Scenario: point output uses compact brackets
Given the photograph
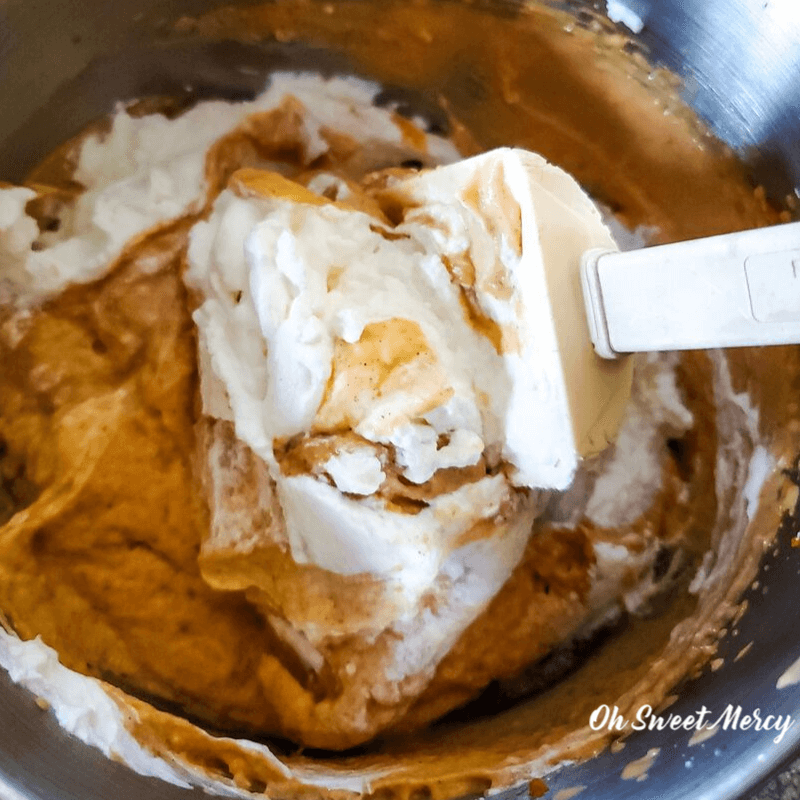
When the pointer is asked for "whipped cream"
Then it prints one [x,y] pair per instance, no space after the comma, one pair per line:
[81,706]
[431,340]
[631,475]
[314,277]
[18,232]
[149,170]
[334,518]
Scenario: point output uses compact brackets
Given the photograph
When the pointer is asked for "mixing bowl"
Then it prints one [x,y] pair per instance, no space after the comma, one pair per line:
[65,63]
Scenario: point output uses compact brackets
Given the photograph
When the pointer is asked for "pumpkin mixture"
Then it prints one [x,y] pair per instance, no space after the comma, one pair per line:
[138,532]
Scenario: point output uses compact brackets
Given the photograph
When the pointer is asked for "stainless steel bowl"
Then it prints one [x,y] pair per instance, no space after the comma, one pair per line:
[64,63]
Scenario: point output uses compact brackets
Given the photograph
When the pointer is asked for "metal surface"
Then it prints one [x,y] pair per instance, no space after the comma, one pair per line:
[741,63]
[732,763]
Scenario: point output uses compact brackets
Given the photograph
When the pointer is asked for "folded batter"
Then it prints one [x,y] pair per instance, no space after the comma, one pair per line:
[163,542]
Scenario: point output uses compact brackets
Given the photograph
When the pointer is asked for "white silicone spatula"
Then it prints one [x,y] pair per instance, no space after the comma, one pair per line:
[739,289]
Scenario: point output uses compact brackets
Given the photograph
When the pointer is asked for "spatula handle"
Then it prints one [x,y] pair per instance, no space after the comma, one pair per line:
[739,289]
